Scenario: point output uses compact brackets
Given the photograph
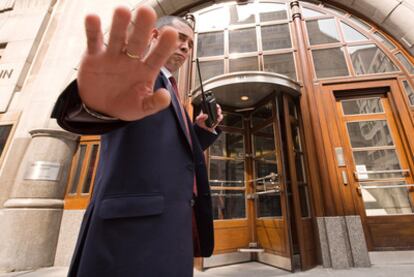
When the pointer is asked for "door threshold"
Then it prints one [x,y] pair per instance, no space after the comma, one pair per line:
[392,257]
[251,250]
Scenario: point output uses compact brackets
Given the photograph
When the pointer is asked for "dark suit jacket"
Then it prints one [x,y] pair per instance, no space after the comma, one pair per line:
[139,220]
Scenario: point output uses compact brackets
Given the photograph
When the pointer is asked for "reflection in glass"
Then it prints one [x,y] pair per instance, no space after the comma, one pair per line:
[264,144]
[229,145]
[330,62]
[281,64]
[362,106]
[91,166]
[360,23]
[228,204]
[369,133]
[241,14]
[232,120]
[221,19]
[209,69]
[405,62]
[369,58]
[262,114]
[269,205]
[226,170]
[265,166]
[244,64]
[377,160]
[242,40]
[4,135]
[276,37]
[322,31]
[351,34]
[272,11]
[210,44]
[410,92]
[386,201]
[306,12]
[76,176]
[384,40]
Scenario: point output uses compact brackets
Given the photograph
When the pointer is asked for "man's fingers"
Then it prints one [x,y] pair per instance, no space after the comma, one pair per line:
[156,102]
[94,36]
[141,32]
[118,33]
[165,47]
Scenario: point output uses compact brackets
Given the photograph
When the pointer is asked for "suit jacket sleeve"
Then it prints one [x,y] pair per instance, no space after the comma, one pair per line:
[71,116]
[206,138]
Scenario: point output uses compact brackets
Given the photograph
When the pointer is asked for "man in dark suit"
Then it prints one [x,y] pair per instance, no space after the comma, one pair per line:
[150,211]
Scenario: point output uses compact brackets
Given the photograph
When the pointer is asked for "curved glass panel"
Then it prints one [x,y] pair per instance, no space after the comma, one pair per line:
[221,19]
[410,92]
[405,62]
[369,58]
[241,14]
[210,44]
[350,34]
[360,23]
[272,11]
[276,37]
[209,69]
[226,170]
[244,64]
[228,204]
[230,145]
[330,62]
[281,63]
[306,12]
[384,40]
[322,31]
[242,40]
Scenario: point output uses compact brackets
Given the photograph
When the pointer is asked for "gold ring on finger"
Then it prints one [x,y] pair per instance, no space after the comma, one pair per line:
[132,56]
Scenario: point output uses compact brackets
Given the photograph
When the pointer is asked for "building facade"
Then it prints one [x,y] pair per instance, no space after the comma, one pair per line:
[315,163]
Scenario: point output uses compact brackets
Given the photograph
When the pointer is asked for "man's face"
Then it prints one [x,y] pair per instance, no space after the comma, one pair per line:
[180,55]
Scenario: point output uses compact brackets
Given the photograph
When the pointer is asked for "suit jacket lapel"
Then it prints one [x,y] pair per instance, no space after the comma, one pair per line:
[177,110]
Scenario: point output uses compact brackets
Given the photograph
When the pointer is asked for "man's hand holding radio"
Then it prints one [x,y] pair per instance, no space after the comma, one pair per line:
[202,117]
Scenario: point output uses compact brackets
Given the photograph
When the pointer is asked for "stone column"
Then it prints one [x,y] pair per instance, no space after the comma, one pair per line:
[31,216]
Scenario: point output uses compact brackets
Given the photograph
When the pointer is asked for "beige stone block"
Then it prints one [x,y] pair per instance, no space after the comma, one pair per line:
[399,22]
[68,234]
[16,51]
[10,73]
[20,248]
[171,6]
[6,93]
[376,10]
[21,27]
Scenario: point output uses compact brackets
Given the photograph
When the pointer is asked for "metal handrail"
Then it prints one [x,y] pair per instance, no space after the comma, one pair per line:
[267,191]
[272,176]
[382,171]
[386,186]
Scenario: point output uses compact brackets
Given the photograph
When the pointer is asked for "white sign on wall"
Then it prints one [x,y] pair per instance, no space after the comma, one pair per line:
[40,170]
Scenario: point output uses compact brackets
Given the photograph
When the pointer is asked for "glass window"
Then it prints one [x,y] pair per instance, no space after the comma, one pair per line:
[221,19]
[276,37]
[232,120]
[351,34]
[322,31]
[306,12]
[330,62]
[360,23]
[334,9]
[4,135]
[226,170]
[272,11]
[409,91]
[282,64]
[369,58]
[228,204]
[362,106]
[269,205]
[229,145]
[79,164]
[209,69]
[210,44]
[386,198]
[243,40]
[90,169]
[384,40]
[264,144]
[262,114]
[371,133]
[405,62]
[241,14]
[244,64]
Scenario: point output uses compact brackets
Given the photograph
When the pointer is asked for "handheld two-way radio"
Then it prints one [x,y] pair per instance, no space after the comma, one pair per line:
[208,102]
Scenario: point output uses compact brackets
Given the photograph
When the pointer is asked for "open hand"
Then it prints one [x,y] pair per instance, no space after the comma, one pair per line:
[118,80]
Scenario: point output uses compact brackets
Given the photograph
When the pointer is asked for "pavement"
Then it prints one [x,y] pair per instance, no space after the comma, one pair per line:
[253,269]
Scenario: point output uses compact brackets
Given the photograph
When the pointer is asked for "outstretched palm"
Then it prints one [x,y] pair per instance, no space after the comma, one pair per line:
[113,83]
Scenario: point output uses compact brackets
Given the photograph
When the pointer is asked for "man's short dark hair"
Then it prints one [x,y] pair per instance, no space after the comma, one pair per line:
[168,20]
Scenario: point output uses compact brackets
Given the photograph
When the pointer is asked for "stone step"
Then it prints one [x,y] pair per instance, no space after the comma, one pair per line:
[391,257]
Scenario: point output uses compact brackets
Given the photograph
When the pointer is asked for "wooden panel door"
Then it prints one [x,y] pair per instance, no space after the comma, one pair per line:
[381,172]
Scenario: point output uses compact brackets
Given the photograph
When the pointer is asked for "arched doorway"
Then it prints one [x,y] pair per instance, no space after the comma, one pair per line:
[257,173]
